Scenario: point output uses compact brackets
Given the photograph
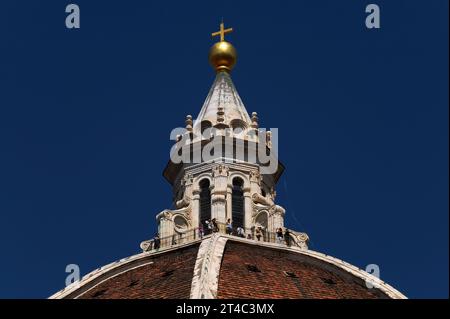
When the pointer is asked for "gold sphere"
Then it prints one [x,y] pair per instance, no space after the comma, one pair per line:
[222,56]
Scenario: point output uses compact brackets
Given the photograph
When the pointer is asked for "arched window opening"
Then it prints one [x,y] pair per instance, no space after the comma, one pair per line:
[238,203]
[205,201]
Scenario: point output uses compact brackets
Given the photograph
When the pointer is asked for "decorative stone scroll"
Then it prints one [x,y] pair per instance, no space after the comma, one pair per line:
[146,245]
[205,282]
[300,239]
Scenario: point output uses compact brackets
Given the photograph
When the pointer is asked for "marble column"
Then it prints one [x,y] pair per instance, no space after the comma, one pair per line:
[229,208]
[248,209]
[195,212]
[219,193]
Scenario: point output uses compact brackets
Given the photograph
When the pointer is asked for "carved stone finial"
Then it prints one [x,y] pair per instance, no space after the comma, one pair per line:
[269,139]
[255,120]
[189,123]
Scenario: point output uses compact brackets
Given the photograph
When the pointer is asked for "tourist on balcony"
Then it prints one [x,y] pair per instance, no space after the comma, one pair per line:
[258,233]
[215,228]
[229,227]
[209,226]
[201,231]
[156,242]
[240,232]
[287,237]
[279,235]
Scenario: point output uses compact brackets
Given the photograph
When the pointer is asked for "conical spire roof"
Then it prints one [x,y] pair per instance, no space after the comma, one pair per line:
[223,104]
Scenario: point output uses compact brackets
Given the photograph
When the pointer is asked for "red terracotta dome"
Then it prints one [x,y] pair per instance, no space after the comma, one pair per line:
[227,267]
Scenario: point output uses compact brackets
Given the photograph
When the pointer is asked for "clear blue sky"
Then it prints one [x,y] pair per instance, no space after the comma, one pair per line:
[85,117]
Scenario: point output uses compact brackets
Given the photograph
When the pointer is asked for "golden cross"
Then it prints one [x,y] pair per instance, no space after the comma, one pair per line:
[222,32]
